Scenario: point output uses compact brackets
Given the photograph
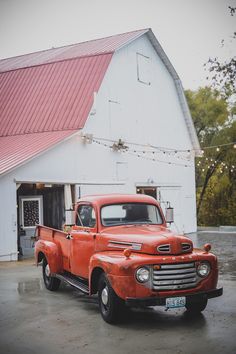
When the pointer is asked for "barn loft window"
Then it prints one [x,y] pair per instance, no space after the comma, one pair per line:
[143,68]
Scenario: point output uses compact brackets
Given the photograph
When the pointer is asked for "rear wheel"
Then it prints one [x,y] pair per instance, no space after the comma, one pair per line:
[50,282]
[197,307]
[111,306]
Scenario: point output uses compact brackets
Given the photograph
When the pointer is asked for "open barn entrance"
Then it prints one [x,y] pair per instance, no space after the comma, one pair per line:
[38,203]
[152,191]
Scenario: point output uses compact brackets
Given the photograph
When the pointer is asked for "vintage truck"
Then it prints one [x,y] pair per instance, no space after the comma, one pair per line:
[121,249]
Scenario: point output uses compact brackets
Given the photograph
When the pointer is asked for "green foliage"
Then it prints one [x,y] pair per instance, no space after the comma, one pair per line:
[209,112]
[215,177]
[219,203]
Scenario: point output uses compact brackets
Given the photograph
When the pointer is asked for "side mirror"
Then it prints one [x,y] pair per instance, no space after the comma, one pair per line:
[169,215]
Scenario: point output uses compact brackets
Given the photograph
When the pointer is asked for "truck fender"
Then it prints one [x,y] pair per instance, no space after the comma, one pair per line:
[108,264]
[51,252]
[99,263]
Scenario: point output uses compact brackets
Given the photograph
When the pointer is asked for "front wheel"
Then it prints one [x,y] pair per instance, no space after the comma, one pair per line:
[197,307]
[50,282]
[110,304]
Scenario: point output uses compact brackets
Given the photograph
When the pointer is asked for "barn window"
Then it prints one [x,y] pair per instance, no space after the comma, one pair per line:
[143,68]
[31,211]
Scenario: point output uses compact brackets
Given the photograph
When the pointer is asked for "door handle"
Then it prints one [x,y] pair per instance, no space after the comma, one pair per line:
[69,237]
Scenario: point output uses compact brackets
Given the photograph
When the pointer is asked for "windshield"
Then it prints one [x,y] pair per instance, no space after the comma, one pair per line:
[130,213]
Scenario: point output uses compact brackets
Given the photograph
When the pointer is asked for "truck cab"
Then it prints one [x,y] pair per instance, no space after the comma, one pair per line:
[120,248]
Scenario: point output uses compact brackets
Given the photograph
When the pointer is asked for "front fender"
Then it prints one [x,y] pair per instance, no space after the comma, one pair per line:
[114,263]
[52,252]
[118,269]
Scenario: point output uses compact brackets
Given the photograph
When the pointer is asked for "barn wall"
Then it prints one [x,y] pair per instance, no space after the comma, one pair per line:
[125,104]
[8,219]
[148,114]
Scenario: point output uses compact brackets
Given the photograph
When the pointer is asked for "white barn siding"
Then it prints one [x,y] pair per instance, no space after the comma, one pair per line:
[8,219]
[139,105]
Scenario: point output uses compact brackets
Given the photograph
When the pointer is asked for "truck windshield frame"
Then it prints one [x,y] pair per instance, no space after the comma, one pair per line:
[131,213]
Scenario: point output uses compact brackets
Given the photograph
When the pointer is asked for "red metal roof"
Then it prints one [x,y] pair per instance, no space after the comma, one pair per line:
[56,96]
[46,96]
[16,150]
[94,47]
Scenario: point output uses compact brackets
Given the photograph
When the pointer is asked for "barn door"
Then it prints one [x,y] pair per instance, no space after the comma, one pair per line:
[172,196]
[30,214]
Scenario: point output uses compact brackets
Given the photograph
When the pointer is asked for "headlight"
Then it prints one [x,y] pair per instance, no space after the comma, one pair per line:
[142,275]
[203,269]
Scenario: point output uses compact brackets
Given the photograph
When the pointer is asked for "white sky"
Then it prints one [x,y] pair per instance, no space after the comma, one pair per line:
[190,31]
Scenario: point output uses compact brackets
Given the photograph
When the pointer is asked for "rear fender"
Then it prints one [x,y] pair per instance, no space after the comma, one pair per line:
[52,252]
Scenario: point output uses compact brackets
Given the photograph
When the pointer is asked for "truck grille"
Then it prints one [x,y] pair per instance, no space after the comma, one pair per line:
[175,276]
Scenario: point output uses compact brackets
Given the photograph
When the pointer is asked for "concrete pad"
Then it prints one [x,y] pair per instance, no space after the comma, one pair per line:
[34,320]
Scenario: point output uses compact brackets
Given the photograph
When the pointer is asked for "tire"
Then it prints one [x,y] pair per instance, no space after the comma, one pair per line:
[110,305]
[51,283]
[197,307]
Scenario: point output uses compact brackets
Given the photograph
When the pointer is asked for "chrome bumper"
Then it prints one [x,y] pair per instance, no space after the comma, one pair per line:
[161,301]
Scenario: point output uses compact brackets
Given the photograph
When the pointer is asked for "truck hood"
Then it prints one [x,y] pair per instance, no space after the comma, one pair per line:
[150,239]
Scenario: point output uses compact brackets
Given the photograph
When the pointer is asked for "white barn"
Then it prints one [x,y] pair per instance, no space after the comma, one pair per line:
[104,116]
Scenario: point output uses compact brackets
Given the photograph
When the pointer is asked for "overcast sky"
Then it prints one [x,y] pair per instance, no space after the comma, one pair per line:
[190,31]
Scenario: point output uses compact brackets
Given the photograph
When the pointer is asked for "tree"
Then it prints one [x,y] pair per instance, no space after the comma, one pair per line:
[213,120]
[223,74]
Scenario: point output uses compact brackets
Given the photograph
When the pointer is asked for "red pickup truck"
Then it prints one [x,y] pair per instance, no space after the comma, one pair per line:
[121,249]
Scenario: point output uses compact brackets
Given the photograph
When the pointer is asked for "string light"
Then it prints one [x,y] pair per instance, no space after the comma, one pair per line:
[137,154]
[154,153]
[206,163]
[172,150]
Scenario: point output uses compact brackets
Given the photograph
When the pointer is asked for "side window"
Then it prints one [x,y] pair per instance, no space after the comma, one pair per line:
[143,69]
[86,216]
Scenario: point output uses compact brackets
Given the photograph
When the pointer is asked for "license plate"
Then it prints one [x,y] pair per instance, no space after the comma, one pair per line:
[175,301]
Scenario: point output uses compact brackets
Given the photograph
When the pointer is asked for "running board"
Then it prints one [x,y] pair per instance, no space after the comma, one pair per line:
[76,283]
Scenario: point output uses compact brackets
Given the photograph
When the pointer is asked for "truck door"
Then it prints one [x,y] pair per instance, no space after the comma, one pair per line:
[83,241]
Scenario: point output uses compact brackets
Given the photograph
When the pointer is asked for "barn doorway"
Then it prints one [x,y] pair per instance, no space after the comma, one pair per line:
[38,203]
[167,196]
[152,191]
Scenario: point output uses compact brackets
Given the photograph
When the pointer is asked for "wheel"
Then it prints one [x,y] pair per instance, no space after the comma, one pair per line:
[111,306]
[197,307]
[50,282]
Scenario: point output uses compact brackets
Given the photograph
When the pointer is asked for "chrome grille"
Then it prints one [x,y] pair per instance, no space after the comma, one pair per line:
[186,247]
[164,248]
[175,276]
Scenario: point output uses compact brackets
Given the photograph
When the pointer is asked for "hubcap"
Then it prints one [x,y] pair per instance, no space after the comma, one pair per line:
[47,270]
[105,296]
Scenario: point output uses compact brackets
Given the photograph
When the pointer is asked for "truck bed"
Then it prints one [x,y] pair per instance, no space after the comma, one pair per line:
[49,234]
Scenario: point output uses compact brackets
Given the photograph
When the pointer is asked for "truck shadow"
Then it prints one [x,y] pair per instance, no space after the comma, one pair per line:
[148,318]
[140,318]
[158,318]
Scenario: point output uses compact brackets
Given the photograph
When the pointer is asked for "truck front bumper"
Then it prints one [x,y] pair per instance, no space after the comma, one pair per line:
[161,301]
